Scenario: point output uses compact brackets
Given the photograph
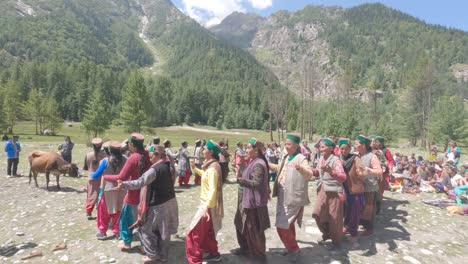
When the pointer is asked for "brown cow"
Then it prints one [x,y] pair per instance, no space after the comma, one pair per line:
[49,162]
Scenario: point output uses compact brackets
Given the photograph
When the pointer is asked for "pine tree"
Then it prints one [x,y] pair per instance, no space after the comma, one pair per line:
[12,105]
[36,109]
[53,120]
[449,121]
[135,101]
[2,118]
[97,116]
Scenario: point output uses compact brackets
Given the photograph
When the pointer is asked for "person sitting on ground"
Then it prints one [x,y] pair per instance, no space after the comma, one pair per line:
[461,193]
[445,184]
[397,157]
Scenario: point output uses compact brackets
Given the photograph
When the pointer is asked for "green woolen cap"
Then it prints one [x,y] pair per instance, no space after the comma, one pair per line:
[213,146]
[363,139]
[344,141]
[379,138]
[252,141]
[294,138]
[328,142]
[372,136]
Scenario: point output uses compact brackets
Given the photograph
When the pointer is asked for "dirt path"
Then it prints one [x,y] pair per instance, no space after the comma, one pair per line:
[33,219]
[206,130]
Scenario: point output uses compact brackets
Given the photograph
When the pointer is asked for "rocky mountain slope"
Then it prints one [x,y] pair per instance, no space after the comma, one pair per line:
[368,43]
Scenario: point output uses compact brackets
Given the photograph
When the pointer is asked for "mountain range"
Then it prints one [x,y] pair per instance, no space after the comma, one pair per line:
[226,75]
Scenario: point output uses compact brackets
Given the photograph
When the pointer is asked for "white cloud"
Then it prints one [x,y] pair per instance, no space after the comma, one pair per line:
[260,4]
[212,12]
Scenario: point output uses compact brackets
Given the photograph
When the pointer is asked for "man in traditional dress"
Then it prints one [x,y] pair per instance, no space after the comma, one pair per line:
[158,212]
[328,212]
[201,236]
[252,218]
[136,165]
[373,170]
[291,188]
[91,163]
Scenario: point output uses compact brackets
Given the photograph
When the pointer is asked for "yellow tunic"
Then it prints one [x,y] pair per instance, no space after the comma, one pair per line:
[209,182]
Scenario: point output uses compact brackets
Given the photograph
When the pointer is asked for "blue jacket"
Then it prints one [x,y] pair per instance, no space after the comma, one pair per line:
[10,149]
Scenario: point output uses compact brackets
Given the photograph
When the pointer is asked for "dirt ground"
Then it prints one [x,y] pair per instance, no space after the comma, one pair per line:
[34,219]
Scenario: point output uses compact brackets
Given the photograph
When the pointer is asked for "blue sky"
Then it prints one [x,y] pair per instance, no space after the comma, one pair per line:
[450,13]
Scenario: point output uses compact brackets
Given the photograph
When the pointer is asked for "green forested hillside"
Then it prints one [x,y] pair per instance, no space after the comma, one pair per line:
[383,71]
[378,43]
[67,49]
[367,69]
[212,82]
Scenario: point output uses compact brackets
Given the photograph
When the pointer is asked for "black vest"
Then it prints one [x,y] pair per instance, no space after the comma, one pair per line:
[161,189]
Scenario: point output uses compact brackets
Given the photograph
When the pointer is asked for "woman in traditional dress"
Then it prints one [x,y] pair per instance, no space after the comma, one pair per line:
[111,200]
[91,164]
[252,218]
[158,216]
[136,165]
[201,236]
[373,171]
[328,212]
[354,189]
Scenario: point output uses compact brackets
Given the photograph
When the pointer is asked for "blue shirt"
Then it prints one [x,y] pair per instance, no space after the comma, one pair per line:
[10,149]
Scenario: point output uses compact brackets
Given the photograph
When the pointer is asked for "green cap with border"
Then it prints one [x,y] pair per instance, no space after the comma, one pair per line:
[328,142]
[344,141]
[363,139]
[213,146]
[294,138]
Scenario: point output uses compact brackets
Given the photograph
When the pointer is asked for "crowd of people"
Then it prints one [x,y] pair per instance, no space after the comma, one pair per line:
[132,187]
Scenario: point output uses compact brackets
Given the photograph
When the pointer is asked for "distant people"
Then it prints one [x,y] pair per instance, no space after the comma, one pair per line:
[272,155]
[66,149]
[12,149]
[453,153]
[5,137]
[183,165]
[240,157]
[224,160]
[91,164]
[198,155]
[156,141]
[171,156]
[434,149]
[305,150]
